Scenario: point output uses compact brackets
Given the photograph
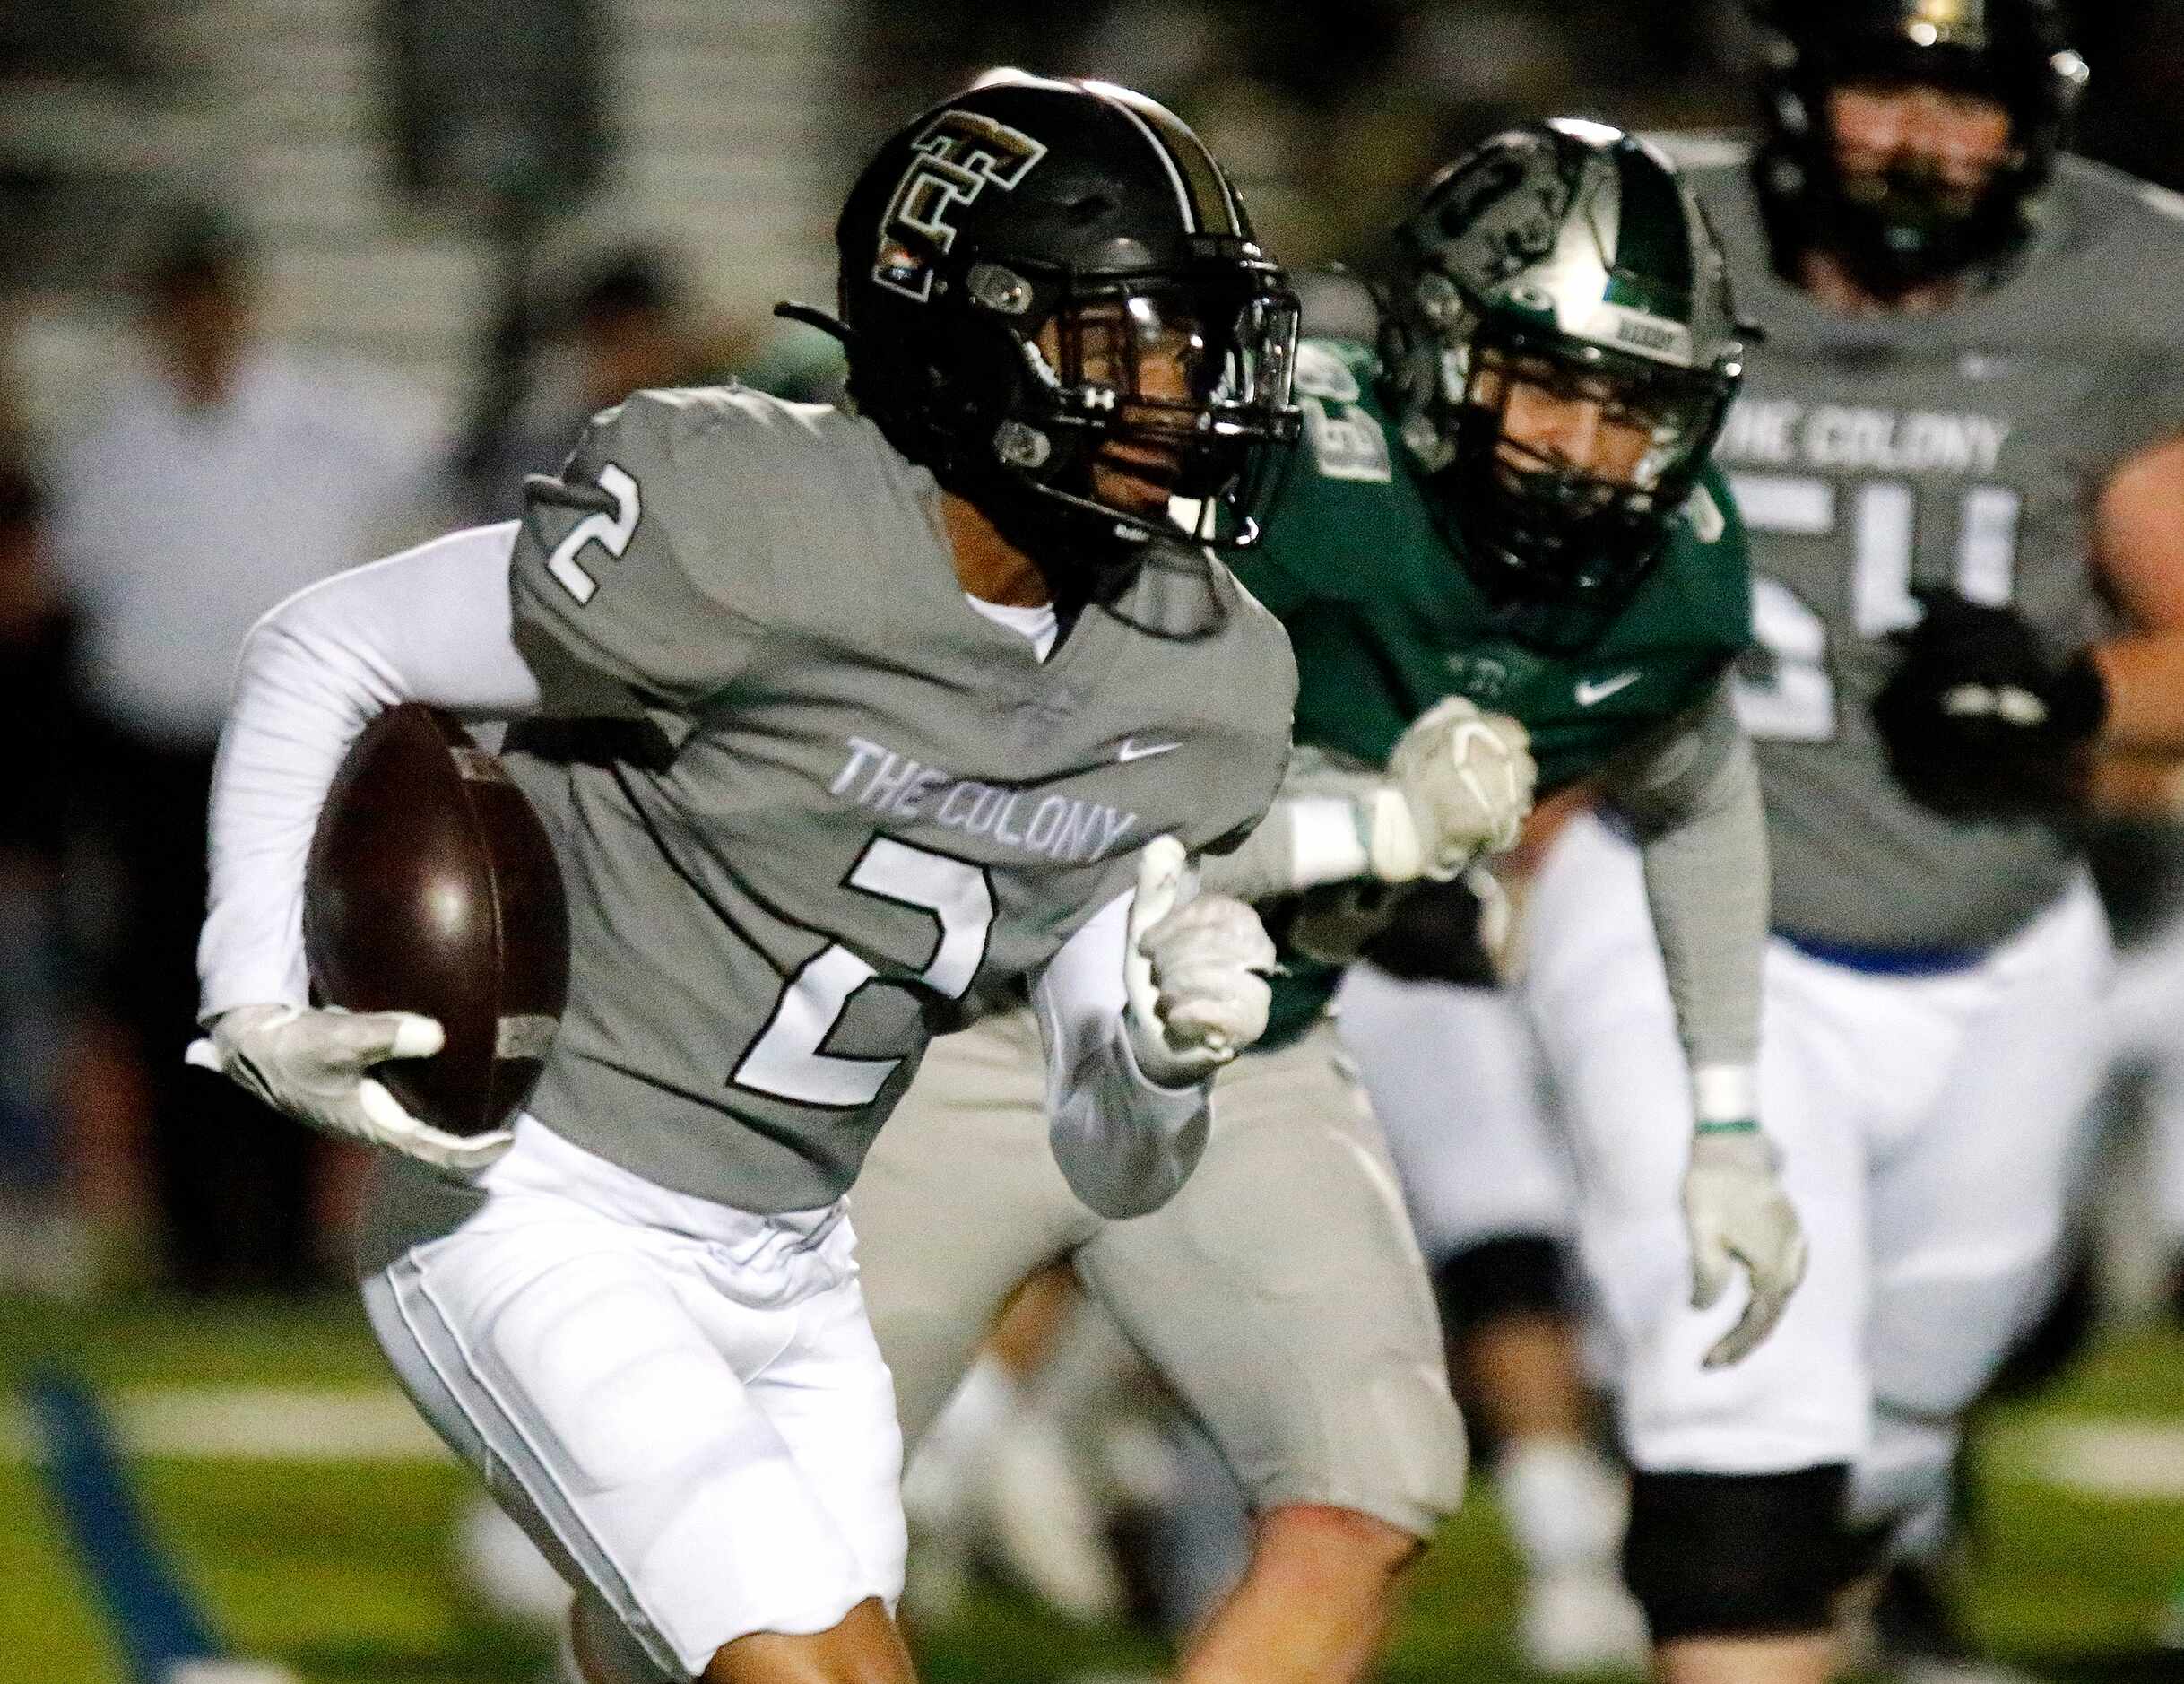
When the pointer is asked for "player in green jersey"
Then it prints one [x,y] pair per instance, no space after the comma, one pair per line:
[1510,514]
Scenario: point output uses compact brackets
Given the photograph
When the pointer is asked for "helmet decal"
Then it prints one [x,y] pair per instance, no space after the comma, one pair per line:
[952,161]
[1933,22]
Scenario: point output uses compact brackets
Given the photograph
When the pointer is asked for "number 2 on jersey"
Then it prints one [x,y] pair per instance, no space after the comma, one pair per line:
[1796,701]
[786,1060]
[611,533]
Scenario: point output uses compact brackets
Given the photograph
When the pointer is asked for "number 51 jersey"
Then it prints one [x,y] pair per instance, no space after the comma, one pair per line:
[864,806]
[1871,455]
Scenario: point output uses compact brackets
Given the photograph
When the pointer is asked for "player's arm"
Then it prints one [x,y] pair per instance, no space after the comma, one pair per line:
[1137,1010]
[1981,720]
[430,625]
[2138,551]
[1694,799]
[1459,784]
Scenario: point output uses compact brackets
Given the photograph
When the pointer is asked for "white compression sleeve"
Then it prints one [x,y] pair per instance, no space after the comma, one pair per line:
[1319,831]
[1124,1143]
[430,625]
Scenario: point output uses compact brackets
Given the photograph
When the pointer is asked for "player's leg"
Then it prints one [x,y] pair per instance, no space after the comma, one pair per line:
[1965,1258]
[957,1202]
[863,1648]
[2147,1004]
[1282,1296]
[828,1396]
[1488,1185]
[2166,1102]
[593,1360]
[1738,1471]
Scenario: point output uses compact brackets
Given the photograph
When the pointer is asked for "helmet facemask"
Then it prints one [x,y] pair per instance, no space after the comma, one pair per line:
[1149,402]
[1913,213]
[1909,214]
[1573,457]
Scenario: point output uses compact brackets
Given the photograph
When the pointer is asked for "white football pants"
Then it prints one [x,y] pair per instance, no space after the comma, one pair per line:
[1929,1125]
[1457,1081]
[2147,1020]
[681,1402]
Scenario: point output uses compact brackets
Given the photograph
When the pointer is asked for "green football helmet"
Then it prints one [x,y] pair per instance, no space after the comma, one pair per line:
[1562,270]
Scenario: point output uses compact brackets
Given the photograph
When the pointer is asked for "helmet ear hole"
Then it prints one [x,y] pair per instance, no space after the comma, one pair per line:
[1003,291]
[1019,445]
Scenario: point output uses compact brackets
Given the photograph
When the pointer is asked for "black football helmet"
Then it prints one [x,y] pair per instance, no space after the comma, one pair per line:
[1908,230]
[1038,276]
[1565,258]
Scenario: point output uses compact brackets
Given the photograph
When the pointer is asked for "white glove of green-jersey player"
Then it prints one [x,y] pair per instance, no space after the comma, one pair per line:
[1195,968]
[1735,1211]
[311,1066]
[1466,778]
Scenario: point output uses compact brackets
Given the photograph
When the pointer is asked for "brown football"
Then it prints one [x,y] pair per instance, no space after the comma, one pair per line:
[433,887]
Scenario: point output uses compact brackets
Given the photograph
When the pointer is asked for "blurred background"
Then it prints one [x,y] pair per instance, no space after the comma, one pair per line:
[287,284]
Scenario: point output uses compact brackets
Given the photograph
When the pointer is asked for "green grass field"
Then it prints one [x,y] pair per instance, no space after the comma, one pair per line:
[340,1567]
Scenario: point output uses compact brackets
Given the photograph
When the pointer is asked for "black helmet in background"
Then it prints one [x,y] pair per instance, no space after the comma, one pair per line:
[1908,228]
[1039,274]
[1561,263]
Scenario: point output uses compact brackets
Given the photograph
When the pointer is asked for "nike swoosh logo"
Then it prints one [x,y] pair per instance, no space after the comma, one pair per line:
[1132,751]
[1592,690]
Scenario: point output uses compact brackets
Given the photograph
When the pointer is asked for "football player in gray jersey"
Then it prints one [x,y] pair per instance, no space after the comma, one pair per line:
[1282,1295]
[1958,457]
[884,714]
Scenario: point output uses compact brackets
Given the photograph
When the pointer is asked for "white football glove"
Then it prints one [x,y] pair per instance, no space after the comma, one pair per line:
[311,1065]
[1467,779]
[1195,968]
[1735,1211]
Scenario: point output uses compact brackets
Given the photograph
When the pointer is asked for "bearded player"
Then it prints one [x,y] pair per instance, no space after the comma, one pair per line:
[1959,463]
[879,712]
[1513,513]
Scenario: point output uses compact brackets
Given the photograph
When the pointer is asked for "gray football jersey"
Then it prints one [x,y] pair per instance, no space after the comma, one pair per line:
[817,805]
[1872,454]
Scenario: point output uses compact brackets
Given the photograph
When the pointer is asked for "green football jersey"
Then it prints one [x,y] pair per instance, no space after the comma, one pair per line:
[1385,619]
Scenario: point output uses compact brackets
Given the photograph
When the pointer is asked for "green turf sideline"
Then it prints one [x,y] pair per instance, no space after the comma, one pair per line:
[2125,1460]
[249,1424]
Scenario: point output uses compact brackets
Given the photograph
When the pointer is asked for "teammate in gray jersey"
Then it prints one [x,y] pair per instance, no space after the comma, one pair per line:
[821,807]
[1957,456]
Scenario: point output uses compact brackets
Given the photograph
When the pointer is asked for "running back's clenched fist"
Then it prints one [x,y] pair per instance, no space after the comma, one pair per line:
[1196,966]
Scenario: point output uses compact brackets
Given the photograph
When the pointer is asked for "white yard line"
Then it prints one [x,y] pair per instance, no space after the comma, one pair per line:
[251,1424]
[2121,1461]
[2117,1460]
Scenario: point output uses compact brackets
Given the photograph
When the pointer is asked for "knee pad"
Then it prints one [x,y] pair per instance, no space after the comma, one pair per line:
[1512,1274]
[1736,1555]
